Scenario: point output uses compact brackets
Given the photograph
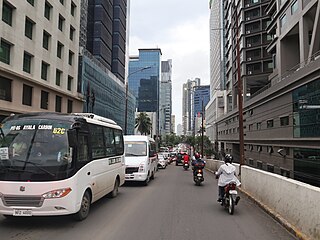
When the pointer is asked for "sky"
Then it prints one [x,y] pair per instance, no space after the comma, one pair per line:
[180,28]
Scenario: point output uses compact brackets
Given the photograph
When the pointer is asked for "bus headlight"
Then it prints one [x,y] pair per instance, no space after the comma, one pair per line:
[141,167]
[58,193]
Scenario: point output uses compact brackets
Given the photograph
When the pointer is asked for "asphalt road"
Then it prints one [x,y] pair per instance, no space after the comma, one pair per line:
[170,208]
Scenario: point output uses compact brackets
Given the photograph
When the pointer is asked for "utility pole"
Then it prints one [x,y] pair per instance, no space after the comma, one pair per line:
[202,115]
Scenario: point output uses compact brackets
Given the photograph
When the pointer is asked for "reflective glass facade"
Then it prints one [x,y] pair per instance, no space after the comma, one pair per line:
[306,110]
[144,83]
[105,94]
[200,92]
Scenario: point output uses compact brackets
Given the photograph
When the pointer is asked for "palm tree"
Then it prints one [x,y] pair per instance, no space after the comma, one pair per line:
[143,123]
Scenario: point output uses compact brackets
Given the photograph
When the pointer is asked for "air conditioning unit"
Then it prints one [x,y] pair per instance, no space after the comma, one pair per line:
[248,31]
[249,59]
[249,72]
[249,45]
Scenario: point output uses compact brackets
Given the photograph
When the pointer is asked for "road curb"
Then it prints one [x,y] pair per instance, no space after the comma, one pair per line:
[293,230]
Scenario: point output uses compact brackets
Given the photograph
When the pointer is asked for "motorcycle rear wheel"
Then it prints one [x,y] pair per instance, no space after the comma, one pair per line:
[231,206]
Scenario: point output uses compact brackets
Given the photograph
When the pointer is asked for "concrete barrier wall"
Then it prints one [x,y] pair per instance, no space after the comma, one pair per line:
[295,203]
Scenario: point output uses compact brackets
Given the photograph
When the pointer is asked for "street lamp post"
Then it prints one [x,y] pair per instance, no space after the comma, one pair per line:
[202,127]
[126,104]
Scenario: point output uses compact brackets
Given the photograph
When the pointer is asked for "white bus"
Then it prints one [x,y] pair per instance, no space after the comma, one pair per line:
[58,164]
[140,158]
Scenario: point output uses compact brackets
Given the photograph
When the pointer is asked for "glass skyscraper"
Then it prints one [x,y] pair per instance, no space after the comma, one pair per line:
[144,80]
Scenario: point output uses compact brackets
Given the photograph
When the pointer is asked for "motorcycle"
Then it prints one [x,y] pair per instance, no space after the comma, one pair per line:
[230,198]
[186,166]
[198,176]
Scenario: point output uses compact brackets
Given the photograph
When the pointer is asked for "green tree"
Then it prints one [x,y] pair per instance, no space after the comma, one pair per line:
[143,123]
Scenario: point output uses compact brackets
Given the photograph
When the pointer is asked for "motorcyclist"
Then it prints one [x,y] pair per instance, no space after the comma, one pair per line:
[226,174]
[186,158]
[197,163]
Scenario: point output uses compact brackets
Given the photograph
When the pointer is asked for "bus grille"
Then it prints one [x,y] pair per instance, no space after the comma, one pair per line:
[130,170]
[22,201]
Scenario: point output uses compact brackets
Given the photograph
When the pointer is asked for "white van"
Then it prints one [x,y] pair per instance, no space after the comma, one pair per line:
[141,159]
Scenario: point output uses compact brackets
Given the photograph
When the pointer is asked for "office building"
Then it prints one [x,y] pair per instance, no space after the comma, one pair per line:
[39,57]
[102,61]
[144,81]
[165,110]
[281,127]
[187,106]
[201,97]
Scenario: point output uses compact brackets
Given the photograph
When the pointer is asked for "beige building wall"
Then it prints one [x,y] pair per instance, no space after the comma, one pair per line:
[15,36]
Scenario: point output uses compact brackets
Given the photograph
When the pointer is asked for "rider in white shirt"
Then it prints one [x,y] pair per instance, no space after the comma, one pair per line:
[226,174]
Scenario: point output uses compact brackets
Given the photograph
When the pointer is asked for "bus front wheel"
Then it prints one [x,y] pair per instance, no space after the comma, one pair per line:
[84,208]
[115,190]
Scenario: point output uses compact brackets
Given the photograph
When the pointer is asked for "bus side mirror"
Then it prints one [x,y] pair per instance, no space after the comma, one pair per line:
[72,137]
[151,153]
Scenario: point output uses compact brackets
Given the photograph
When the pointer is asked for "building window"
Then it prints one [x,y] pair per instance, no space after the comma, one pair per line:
[44,100]
[60,23]
[27,58]
[284,121]
[46,40]
[58,103]
[73,8]
[31,2]
[71,54]
[259,148]
[58,77]
[72,31]
[59,49]
[5,52]
[70,82]
[69,107]
[27,95]
[270,149]
[62,2]
[285,172]
[270,123]
[259,164]
[28,28]
[294,7]
[44,70]
[270,168]
[283,20]
[7,13]
[250,161]
[5,89]
[259,126]
[47,10]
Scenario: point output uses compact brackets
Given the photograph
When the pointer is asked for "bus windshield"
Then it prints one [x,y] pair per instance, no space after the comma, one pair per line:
[34,150]
[135,148]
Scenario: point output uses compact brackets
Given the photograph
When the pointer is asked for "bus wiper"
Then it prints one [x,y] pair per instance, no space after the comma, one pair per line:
[14,170]
[132,154]
[36,165]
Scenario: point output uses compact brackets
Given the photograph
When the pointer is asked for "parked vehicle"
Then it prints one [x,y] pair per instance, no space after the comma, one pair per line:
[230,198]
[141,159]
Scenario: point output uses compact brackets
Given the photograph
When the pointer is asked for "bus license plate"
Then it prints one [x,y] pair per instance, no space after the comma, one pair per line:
[22,212]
